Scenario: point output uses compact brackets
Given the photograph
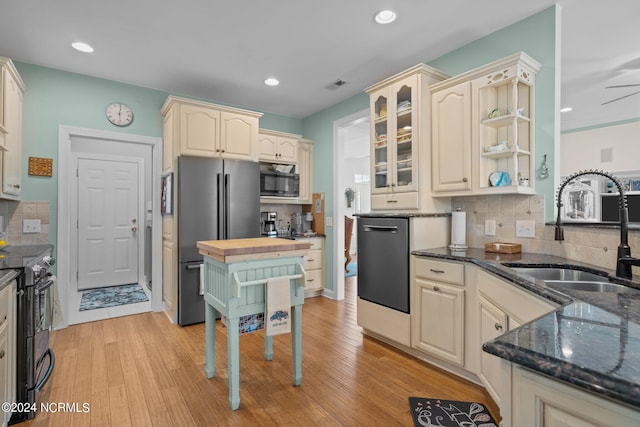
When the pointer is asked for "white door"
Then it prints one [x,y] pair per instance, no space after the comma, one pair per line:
[108,223]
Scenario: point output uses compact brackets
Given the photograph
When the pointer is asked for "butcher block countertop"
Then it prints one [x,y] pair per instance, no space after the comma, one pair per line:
[235,250]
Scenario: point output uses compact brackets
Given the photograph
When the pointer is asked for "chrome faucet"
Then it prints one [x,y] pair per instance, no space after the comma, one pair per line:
[624,260]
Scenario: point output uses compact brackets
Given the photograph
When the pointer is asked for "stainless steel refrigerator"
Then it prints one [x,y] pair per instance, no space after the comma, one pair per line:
[217,199]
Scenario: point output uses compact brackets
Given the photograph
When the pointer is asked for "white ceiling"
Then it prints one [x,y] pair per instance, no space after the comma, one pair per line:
[223,51]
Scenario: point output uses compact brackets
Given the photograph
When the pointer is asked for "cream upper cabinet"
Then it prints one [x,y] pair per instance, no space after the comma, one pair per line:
[438,307]
[305,169]
[209,130]
[451,138]
[401,140]
[277,147]
[11,129]
[494,106]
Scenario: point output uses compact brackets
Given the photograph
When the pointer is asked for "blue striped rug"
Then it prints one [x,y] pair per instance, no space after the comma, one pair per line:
[112,296]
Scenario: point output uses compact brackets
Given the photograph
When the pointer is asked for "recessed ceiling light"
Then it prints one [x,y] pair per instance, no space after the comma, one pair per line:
[82,47]
[271,82]
[385,17]
[566,109]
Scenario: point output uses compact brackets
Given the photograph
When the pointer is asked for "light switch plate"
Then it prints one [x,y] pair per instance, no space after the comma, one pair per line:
[526,229]
[30,226]
[489,227]
[329,221]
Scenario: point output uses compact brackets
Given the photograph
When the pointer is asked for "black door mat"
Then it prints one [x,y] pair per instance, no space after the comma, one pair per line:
[427,412]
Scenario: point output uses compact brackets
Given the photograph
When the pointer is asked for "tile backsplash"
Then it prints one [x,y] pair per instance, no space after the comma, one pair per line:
[15,212]
[595,246]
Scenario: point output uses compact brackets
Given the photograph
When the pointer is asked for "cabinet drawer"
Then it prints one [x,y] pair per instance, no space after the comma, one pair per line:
[441,271]
[5,303]
[316,243]
[314,280]
[313,260]
[409,200]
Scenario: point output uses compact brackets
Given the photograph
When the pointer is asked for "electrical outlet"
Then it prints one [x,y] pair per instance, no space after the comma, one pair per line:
[489,227]
[526,229]
[31,226]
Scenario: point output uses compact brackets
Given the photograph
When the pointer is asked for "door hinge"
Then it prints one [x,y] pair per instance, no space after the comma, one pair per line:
[77,173]
[77,276]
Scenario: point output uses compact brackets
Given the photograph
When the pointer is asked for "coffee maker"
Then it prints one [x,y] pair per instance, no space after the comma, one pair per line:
[268,221]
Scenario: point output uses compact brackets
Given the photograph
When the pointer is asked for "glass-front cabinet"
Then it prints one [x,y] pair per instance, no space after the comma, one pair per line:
[392,138]
[401,140]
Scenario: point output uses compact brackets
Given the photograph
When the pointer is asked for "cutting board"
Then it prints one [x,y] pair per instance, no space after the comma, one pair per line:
[246,248]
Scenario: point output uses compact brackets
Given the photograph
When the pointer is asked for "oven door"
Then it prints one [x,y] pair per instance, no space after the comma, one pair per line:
[43,355]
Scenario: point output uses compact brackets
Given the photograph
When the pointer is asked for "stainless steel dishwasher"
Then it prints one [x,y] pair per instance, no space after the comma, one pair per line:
[383,261]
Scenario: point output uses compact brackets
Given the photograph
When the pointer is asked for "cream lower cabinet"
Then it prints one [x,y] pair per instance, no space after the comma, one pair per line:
[438,309]
[170,279]
[7,349]
[539,401]
[314,266]
[500,307]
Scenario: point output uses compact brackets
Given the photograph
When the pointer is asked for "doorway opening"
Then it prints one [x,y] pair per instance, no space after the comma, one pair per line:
[109,232]
[351,188]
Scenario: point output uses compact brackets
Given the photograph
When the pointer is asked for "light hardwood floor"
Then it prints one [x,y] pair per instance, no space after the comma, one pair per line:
[142,370]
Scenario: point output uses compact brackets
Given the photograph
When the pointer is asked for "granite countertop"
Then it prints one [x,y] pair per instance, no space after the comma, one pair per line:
[591,341]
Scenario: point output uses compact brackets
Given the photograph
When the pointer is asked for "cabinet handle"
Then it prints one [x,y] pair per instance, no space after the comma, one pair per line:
[392,201]
[436,288]
[498,326]
[437,271]
[464,179]
[310,280]
[1,354]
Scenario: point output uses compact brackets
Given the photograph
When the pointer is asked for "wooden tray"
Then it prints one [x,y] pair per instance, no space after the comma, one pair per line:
[503,248]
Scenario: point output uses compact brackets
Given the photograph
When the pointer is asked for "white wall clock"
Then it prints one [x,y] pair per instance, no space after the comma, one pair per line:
[119,114]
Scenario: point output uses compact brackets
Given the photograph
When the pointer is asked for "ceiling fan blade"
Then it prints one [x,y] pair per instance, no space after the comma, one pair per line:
[622,97]
[612,87]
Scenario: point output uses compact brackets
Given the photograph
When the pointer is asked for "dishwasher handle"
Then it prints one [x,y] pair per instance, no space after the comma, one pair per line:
[382,228]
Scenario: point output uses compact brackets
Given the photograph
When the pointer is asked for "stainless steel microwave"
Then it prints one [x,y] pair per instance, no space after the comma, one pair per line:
[279,184]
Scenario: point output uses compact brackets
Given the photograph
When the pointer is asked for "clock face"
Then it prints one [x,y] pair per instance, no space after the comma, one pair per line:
[119,114]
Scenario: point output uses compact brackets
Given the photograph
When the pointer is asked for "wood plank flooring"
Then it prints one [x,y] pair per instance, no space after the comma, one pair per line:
[141,370]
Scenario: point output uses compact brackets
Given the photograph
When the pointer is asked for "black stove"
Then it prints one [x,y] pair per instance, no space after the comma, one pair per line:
[34,315]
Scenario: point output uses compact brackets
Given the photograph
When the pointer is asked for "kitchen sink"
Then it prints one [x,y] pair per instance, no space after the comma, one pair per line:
[585,286]
[577,280]
[559,274]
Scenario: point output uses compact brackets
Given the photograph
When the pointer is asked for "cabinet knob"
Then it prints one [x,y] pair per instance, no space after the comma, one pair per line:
[436,288]
[464,179]
[217,150]
[498,326]
[1,354]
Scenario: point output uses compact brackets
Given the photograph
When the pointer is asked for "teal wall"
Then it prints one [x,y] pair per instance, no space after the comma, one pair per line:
[55,97]
[534,35]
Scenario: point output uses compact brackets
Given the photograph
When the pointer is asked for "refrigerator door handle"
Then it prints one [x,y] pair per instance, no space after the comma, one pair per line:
[220,204]
[227,204]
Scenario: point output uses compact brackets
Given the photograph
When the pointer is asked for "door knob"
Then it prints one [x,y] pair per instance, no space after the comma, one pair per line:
[134,229]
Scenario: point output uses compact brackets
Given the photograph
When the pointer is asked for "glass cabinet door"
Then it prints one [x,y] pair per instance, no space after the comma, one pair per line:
[380,144]
[403,154]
